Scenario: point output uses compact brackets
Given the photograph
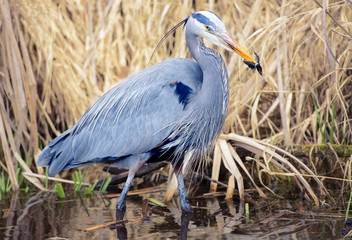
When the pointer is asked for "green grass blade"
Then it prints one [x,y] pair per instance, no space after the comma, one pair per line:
[2,182]
[46,182]
[88,190]
[246,206]
[348,206]
[19,176]
[60,190]
[105,185]
[8,185]
[161,204]
[95,183]
[81,176]
[91,188]
[75,180]
[102,186]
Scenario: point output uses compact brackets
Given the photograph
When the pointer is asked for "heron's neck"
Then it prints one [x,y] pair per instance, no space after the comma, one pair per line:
[215,80]
[202,54]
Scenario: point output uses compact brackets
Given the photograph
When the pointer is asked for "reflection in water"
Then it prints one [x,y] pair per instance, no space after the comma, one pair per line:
[41,217]
[185,218]
[121,228]
[18,217]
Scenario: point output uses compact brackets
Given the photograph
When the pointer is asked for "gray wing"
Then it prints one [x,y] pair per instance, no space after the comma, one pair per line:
[132,118]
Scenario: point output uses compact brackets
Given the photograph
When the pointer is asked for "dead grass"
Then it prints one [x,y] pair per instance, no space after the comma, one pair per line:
[58,57]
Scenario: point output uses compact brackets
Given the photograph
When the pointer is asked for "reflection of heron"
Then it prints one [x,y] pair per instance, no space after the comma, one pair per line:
[162,112]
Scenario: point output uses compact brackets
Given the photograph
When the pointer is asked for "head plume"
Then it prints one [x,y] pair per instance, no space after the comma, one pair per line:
[172,30]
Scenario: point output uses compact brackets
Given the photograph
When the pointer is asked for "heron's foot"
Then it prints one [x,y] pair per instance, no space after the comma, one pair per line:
[185,218]
[120,214]
[121,204]
[185,206]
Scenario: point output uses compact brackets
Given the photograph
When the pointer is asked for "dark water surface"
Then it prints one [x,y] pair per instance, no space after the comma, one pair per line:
[43,217]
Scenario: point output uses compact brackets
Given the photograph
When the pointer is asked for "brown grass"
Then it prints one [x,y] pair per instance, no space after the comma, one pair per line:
[58,57]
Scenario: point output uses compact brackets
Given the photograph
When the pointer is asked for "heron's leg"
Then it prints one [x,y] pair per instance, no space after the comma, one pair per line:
[138,161]
[121,201]
[185,206]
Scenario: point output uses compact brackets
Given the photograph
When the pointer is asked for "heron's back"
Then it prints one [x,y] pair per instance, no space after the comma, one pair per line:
[132,118]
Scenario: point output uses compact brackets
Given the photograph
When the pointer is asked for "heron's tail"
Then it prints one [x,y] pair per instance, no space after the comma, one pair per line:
[57,154]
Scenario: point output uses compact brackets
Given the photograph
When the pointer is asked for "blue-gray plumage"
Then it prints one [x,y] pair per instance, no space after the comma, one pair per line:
[163,112]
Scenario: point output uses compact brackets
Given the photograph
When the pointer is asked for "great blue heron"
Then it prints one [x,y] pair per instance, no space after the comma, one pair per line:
[163,112]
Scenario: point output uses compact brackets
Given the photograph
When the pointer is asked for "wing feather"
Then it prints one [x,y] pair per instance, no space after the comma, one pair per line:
[132,118]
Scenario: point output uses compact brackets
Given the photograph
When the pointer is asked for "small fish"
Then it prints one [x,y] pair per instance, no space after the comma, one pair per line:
[253,65]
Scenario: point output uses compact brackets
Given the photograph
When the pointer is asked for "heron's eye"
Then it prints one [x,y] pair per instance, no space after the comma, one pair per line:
[207,27]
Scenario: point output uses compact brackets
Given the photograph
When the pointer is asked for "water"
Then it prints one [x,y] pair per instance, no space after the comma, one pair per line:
[40,216]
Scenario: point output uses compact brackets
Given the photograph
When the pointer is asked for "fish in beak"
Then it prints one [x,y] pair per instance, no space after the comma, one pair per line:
[232,44]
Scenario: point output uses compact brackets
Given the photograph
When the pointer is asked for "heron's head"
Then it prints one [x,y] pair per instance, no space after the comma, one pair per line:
[208,25]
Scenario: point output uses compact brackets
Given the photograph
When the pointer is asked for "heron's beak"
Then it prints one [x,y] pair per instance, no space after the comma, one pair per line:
[235,46]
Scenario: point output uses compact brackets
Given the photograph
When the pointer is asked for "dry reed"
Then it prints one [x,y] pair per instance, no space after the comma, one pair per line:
[58,57]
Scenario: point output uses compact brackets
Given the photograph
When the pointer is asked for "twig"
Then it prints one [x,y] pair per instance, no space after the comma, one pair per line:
[139,191]
[337,23]
[202,175]
[326,35]
[274,217]
[52,178]
[104,225]
[281,95]
[8,159]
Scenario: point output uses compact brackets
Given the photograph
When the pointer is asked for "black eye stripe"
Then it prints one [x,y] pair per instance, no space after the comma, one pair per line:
[203,19]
